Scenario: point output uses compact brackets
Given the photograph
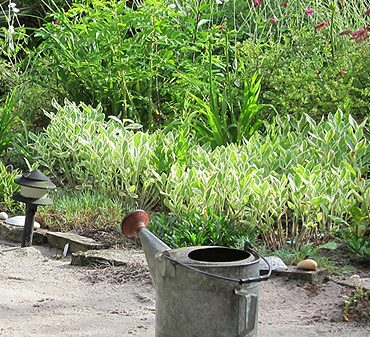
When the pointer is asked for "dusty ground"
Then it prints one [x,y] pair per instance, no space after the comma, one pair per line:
[43,295]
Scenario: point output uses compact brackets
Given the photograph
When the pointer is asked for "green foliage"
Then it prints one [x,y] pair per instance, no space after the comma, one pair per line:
[125,59]
[307,69]
[311,83]
[81,210]
[228,117]
[84,151]
[298,182]
[8,188]
[200,229]
[358,243]
[8,78]
[8,121]
[356,306]
[292,183]
[139,60]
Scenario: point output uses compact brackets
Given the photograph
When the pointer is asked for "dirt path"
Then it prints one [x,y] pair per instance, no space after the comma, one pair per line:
[41,295]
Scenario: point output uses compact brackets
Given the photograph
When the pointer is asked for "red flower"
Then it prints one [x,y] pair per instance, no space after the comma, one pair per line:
[257,2]
[273,19]
[322,25]
[309,11]
[284,3]
[367,12]
[341,73]
[346,32]
[360,35]
[56,22]
[221,27]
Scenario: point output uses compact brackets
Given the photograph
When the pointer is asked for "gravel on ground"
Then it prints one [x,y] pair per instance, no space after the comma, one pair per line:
[41,294]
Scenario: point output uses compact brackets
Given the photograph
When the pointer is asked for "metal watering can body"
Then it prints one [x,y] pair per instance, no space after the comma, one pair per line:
[200,291]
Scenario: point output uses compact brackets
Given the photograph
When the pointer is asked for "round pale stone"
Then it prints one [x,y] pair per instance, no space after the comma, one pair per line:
[307,264]
[3,216]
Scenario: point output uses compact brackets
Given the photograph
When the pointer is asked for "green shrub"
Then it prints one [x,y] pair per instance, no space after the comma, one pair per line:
[297,182]
[292,184]
[200,229]
[309,82]
[125,59]
[81,149]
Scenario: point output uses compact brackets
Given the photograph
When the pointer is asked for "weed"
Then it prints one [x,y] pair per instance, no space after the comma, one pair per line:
[356,307]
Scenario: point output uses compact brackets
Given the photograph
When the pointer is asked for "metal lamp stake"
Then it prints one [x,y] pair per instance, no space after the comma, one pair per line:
[28,225]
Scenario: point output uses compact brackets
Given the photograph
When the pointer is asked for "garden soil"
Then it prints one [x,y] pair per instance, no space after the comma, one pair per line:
[41,294]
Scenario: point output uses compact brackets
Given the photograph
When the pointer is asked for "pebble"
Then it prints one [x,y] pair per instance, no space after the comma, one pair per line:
[3,216]
[307,264]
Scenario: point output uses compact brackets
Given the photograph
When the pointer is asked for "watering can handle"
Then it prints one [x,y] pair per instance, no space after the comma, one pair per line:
[166,255]
[251,311]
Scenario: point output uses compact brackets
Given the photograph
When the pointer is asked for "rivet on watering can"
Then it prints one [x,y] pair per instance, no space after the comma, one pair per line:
[200,291]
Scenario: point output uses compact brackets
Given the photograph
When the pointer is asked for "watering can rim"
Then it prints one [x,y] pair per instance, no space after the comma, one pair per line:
[182,255]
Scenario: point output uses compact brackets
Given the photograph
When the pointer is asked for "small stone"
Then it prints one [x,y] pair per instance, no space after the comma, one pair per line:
[274,262]
[307,264]
[3,216]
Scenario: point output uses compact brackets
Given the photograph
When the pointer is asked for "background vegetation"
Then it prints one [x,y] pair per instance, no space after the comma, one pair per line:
[229,120]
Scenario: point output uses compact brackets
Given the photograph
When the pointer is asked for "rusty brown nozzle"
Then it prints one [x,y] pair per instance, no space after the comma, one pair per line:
[133,222]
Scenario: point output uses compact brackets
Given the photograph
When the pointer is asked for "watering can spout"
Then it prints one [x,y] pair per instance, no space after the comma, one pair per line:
[134,225]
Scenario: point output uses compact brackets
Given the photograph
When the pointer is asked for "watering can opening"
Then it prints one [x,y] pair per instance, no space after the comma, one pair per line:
[218,254]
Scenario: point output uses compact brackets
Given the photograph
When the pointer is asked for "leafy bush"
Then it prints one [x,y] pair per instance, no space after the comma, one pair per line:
[200,229]
[84,151]
[298,182]
[313,84]
[294,183]
[125,59]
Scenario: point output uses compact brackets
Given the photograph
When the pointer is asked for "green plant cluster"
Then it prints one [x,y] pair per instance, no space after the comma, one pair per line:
[298,181]
[142,60]
[200,229]
[356,306]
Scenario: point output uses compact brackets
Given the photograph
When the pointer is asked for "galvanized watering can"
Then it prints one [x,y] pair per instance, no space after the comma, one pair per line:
[200,291]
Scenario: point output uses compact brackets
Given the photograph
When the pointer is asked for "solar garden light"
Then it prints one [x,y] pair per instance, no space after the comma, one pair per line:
[34,191]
